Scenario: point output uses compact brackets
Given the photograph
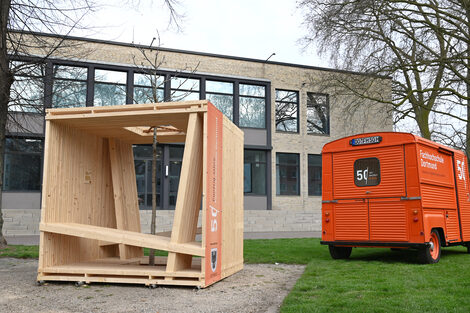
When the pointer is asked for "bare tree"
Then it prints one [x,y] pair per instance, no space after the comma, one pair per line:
[421,45]
[149,61]
[23,53]
[20,20]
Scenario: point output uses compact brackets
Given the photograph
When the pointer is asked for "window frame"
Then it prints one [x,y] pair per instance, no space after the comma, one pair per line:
[97,82]
[265,162]
[308,174]
[72,80]
[327,105]
[41,160]
[265,98]
[297,103]
[278,182]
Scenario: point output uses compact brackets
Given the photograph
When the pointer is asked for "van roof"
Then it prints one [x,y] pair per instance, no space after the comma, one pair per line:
[386,139]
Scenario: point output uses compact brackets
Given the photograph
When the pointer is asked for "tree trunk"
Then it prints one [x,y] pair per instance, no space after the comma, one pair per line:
[423,123]
[466,5]
[154,193]
[6,79]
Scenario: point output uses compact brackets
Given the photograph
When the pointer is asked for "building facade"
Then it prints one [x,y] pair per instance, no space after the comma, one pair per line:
[287,113]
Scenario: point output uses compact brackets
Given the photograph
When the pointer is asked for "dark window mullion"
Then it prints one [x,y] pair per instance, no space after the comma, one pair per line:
[236,103]
[90,86]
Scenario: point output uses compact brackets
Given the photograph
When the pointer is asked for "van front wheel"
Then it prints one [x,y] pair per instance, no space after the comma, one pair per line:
[432,252]
[339,252]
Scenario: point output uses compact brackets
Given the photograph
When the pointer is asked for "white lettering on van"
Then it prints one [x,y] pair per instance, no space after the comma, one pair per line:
[430,160]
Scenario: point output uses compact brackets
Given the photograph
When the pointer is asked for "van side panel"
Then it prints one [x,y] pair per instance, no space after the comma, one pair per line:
[392,173]
[463,185]
[439,199]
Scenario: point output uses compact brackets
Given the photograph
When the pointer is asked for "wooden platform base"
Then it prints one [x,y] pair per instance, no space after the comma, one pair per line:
[133,271]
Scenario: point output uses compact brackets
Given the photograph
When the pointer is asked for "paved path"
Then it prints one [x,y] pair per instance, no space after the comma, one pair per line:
[34,240]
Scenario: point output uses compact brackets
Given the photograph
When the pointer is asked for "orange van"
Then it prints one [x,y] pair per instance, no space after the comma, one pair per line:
[394,190]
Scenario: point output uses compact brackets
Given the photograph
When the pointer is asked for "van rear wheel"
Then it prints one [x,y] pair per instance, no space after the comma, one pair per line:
[432,252]
[339,252]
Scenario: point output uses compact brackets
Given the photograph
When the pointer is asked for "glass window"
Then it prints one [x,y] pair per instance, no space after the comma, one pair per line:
[367,172]
[221,95]
[287,108]
[183,89]
[143,172]
[255,172]
[318,113]
[69,87]
[110,88]
[176,158]
[27,90]
[22,165]
[314,175]
[287,174]
[148,88]
[252,106]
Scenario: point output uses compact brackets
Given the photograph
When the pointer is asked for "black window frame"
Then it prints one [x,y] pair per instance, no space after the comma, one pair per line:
[160,87]
[222,94]
[240,96]
[309,178]
[38,153]
[281,101]
[251,193]
[278,165]
[41,77]
[327,109]
[71,80]
[98,82]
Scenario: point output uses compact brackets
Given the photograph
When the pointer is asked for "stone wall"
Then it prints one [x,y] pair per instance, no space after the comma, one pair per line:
[26,222]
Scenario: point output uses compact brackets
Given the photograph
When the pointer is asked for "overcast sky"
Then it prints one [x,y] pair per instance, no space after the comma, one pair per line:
[245,28]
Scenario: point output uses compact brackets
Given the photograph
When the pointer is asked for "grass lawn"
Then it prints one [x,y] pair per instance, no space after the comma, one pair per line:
[372,280]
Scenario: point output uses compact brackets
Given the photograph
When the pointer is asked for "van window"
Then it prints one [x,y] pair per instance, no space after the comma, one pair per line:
[367,172]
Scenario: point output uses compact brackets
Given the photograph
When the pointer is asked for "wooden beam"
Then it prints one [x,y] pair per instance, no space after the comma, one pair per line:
[123,237]
[189,194]
[126,205]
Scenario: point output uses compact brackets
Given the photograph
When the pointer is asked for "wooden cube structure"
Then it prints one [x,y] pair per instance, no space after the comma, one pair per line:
[90,221]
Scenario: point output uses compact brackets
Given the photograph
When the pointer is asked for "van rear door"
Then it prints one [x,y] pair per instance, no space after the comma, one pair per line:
[367,187]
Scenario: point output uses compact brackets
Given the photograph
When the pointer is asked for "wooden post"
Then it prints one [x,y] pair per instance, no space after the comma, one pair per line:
[154,193]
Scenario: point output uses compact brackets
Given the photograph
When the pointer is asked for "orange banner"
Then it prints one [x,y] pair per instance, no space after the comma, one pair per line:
[213,195]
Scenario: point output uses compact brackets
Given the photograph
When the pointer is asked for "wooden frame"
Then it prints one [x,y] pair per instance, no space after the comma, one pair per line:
[90,220]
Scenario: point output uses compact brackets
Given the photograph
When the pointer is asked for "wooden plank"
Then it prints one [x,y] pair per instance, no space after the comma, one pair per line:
[123,280]
[189,194]
[122,237]
[126,205]
[127,107]
[232,197]
[119,269]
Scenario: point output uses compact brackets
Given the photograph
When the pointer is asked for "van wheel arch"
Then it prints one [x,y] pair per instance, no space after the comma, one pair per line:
[432,252]
[441,235]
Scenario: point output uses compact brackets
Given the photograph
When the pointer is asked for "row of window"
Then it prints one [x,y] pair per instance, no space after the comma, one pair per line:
[287,112]
[70,87]
[23,159]
[110,87]
[288,174]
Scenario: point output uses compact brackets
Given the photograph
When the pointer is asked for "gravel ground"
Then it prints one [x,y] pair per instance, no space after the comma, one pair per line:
[257,288]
